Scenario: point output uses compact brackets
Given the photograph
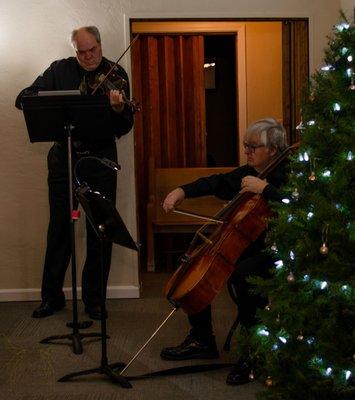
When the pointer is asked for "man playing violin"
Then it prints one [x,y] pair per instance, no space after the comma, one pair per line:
[264,140]
[66,74]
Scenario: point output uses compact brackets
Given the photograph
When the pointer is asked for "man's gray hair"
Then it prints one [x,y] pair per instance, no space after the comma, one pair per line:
[271,133]
[90,29]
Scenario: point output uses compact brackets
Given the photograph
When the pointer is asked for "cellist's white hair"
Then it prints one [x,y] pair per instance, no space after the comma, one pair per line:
[271,133]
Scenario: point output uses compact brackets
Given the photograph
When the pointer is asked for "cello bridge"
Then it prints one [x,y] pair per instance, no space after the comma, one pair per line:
[204,238]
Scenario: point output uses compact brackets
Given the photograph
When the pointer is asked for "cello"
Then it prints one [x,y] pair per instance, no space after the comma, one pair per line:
[213,253]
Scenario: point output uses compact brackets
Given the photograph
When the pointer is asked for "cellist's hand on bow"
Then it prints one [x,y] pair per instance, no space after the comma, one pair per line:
[253,184]
[173,199]
[117,100]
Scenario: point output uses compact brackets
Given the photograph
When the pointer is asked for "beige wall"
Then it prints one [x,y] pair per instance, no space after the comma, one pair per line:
[264,63]
[35,32]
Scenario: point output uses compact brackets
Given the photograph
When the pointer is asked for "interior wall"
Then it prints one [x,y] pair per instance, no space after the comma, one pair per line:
[34,33]
[264,64]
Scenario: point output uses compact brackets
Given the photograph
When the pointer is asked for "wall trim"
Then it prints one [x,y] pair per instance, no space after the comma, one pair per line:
[34,294]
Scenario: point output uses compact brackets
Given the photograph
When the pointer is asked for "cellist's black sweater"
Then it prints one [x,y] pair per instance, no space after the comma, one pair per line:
[226,186]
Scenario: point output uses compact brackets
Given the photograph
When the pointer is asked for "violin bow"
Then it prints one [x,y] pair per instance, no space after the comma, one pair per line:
[115,64]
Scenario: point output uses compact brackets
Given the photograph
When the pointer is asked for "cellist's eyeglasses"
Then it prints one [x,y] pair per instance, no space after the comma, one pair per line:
[251,147]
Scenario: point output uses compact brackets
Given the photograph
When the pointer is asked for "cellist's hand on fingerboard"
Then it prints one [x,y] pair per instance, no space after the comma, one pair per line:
[253,184]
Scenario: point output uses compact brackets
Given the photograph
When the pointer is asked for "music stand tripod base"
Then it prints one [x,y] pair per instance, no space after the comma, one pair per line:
[107,370]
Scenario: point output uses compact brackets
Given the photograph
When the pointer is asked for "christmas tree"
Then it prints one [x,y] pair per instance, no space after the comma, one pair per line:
[305,342]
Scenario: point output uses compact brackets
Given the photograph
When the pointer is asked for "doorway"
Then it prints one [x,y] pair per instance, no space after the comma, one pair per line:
[176,126]
[220,100]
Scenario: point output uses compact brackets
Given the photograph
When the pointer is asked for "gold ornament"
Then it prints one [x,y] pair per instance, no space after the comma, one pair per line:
[312,177]
[274,248]
[324,249]
[269,382]
[295,194]
[290,277]
[300,337]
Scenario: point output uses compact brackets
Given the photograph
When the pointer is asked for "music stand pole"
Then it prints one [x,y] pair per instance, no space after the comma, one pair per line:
[75,336]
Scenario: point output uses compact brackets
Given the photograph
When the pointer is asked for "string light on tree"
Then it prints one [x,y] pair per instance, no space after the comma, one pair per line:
[311,285]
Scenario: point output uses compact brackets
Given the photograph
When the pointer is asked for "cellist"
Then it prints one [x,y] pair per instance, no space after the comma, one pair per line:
[263,141]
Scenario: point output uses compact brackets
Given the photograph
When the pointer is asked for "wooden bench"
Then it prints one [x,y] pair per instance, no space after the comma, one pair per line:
[161,182]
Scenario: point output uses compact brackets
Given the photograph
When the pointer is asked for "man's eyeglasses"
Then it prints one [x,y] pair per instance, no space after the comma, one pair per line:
[251,147]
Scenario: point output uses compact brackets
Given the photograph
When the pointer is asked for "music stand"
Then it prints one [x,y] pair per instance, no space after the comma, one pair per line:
[108,226]
[60,118]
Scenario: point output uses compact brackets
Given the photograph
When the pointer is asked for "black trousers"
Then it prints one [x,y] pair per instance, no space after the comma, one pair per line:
[257,264]
[58,252]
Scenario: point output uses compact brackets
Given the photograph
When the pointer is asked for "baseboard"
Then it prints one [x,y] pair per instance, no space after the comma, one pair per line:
[34,294]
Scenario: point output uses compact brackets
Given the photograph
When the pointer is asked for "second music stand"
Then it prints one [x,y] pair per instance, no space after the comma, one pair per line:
[108,226]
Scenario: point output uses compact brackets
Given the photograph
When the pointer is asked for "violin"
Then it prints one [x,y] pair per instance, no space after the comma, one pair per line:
[109,79]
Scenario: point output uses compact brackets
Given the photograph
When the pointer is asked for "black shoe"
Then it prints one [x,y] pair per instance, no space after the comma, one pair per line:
[243,372]
[47,308]
[94,312]
[191,349]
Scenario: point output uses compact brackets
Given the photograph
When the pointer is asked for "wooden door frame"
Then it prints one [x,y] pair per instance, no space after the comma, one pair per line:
[203,27]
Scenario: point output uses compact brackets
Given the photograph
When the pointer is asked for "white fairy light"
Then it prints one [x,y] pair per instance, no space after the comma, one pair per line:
[282,339]
[327,173]
[350,58]
[336,107]
[343,26]
[290,218]
[275,347]
[306,278]
[311,122]
[279,264]
[349,157]
[327,68]
[349,72]
[310,215]
[306,156]
[300,157]
[344,50]
[292,255]
[310,340]
[328,371]
[323,285]
[347,375]
[286,200]
[345,288]
[263,332]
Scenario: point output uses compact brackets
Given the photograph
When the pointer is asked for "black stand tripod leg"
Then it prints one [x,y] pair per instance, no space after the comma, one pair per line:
[227,343]
[106,370]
